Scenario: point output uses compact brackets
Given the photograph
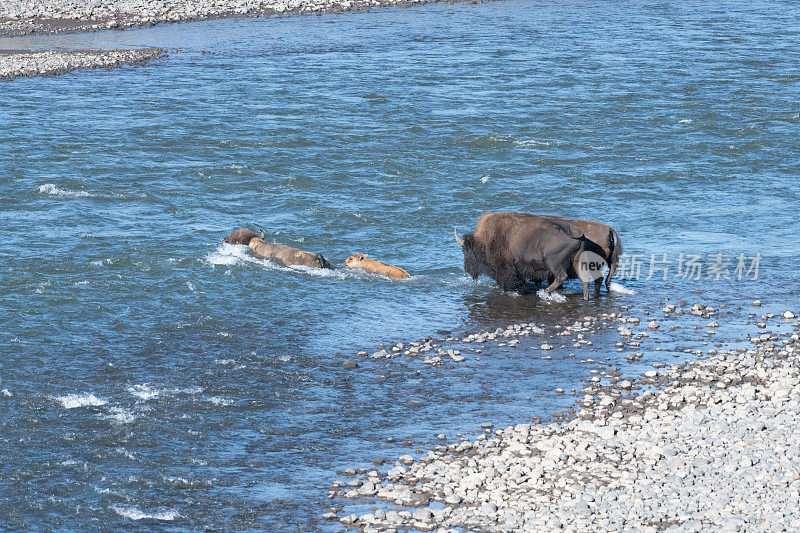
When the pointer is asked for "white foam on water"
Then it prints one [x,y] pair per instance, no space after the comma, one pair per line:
[319,272]
[685,121]
[551,297]
[484,179]
[532,142]
[103,490]
[71,401]
[222,402]
[119,416]
[125,453]
[144,391]
[6,393]
[53,190]
[42,286]
[465,280]
[228,254]
[620,289]
[224,361]
[178,480]
[128,511]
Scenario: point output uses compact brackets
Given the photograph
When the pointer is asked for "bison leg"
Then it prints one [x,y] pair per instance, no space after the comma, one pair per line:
[611,270]
[597,284]
[558,279]
[586,289]
[508,280]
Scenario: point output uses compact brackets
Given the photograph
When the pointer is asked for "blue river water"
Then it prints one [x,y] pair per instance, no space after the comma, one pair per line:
[154,378]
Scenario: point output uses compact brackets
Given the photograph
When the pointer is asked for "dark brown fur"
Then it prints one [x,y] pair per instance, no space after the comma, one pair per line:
[600,239]
[513,248]
[240,236]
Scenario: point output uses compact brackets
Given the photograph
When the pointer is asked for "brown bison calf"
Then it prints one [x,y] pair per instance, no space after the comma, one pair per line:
[279,253]
[375,267]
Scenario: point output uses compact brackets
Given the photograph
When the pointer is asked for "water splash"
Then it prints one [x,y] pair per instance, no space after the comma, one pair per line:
[128,511]
[553,297]
[52,190]
[620,289]
[71,401]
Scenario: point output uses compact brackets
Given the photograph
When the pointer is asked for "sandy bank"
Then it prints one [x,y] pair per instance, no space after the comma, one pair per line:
[712,444]
[26,63]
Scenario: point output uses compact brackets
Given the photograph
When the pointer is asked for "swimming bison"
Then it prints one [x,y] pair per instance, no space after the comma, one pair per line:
[279,253]
[375,267]
[513,248]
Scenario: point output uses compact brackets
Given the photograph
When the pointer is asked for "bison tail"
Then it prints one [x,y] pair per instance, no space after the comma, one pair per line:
[612,266]
[572,231]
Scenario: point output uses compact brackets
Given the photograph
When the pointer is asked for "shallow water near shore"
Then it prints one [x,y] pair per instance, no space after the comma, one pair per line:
[153,377]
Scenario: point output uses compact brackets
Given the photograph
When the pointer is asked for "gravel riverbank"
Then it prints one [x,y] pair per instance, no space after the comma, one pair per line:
[709,444]
[25,63]
[21,17]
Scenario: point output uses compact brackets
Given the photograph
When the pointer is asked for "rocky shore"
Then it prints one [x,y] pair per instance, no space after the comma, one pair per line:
[26,63]
[21,17]
[711,444]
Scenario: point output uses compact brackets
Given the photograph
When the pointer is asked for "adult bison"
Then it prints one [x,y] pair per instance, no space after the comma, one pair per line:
[279,253]
[513,248]
[602,241]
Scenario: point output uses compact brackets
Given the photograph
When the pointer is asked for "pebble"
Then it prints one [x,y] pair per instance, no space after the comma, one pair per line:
[29,63]
[712,449]
[60,16]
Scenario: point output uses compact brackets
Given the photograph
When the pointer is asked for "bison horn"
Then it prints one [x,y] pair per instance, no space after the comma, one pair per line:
[262,233]
[459,240]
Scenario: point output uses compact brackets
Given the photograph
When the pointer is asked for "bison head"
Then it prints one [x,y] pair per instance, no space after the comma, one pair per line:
[241,236]
[474,256]
[354,260]
[323,263]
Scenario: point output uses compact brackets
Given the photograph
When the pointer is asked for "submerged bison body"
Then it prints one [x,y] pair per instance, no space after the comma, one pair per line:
[513,248]
[375,267]
[279,253]
[601,243]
